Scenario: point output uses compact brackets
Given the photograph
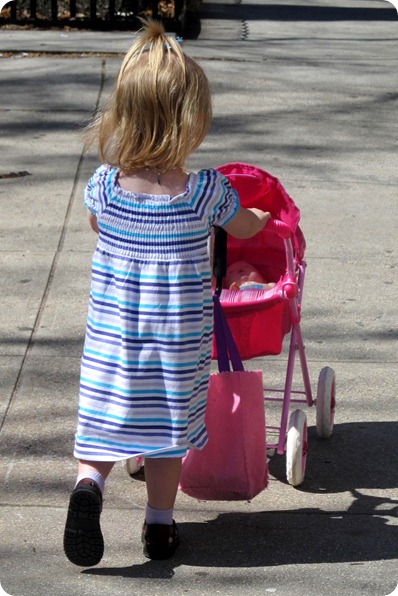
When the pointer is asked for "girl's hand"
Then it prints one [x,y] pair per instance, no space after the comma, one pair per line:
[262,215]
[247,222]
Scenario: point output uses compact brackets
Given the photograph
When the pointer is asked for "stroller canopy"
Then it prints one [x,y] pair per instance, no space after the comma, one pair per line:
[257,188]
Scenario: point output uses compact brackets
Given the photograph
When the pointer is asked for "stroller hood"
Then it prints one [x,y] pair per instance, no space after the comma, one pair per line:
[257,188]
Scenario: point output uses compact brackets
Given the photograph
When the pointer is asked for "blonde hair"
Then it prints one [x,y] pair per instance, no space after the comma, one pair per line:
[160,108]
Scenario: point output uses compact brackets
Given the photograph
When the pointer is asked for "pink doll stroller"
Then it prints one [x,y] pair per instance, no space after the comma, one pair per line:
[259,320]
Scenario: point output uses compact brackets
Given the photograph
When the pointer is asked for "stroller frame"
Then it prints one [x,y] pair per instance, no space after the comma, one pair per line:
[296,345]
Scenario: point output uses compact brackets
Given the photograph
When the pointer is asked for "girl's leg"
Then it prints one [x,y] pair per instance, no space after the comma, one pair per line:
[83,540]
[162,477]
[160,534]
[95,470]
[103,467]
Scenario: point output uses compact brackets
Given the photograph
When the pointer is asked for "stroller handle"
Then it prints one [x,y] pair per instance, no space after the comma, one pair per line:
[282,229]
[290,284]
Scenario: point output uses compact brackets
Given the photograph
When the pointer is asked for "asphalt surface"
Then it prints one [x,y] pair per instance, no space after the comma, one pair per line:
[307,91]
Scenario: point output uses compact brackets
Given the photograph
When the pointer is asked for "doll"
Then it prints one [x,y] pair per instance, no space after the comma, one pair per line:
[243,276]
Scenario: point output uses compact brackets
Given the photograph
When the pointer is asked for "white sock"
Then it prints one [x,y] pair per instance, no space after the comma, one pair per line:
[96,476]
[159,516]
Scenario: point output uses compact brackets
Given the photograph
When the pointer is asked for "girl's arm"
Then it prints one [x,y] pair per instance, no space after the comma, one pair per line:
[92,219]
[247,222]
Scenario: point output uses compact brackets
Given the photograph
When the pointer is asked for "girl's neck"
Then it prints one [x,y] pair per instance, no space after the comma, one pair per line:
[153,181]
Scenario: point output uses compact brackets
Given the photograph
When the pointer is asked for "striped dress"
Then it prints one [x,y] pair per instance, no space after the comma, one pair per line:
[146,358]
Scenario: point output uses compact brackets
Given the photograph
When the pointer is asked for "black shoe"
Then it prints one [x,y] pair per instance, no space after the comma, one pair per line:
[83,541]
[160,541]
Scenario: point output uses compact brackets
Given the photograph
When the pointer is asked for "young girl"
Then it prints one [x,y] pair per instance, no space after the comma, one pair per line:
[146,359]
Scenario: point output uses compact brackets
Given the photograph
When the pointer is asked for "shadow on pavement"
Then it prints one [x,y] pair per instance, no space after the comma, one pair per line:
[359,456]
[273,538]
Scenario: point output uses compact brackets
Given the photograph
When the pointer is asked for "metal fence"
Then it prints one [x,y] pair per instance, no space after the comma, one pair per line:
[182,16]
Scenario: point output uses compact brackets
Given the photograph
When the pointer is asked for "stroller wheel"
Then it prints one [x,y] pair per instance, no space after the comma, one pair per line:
[325,403]
[133,465]
[296,448]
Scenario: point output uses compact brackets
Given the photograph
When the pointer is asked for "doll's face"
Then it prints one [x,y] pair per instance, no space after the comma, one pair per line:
[241,272]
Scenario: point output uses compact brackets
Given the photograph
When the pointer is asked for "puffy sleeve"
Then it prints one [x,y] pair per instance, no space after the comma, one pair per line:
[95,195]
[215,199]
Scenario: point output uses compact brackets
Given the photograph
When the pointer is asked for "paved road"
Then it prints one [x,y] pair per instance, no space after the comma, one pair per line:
[307,91]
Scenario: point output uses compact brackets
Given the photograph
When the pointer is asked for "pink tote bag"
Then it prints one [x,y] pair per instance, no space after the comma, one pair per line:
[233,465]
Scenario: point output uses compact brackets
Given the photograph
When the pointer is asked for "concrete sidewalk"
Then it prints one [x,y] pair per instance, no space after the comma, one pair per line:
[308,93]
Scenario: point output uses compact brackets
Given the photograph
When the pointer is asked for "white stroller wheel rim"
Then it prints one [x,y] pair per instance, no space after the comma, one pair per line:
[133,465]
[325,403]
[296,448]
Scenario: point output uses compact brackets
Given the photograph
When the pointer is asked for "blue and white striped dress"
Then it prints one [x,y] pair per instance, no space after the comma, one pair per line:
[146,359]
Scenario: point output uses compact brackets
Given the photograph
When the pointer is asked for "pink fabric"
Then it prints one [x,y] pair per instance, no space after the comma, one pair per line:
[258,188]
[233,464]
[258,328]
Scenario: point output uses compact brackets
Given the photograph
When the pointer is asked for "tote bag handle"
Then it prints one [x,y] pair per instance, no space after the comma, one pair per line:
[226,346]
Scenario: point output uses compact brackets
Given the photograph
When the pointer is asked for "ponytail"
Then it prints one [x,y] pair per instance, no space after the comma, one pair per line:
[160,109]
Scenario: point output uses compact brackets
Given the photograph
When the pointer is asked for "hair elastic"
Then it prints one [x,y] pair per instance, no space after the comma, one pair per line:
[178,40]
